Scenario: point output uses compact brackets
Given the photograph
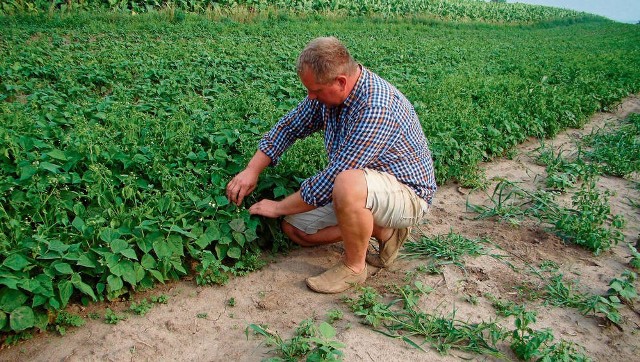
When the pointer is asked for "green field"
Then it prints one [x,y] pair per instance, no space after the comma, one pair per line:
[119,131]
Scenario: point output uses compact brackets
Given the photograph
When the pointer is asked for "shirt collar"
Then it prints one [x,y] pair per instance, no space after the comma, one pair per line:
[361,79]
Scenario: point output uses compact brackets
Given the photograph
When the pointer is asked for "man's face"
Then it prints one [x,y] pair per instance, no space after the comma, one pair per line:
[330,94]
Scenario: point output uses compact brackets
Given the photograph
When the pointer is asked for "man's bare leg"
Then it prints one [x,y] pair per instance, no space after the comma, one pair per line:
[354,219]
[356,225]
[327,235]
[324,236]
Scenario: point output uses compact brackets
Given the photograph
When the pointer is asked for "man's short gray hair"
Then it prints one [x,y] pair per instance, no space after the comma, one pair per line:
[327,58]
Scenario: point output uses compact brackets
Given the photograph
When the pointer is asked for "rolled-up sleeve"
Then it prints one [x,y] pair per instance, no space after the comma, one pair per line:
[299,123]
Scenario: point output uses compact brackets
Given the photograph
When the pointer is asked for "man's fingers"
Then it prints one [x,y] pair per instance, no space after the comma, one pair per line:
[234,192]
[239,197]
[255,208]
[242,192]
[237,190]
[231,194]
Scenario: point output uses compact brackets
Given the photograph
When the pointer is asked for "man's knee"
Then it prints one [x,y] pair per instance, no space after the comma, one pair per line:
[349,185]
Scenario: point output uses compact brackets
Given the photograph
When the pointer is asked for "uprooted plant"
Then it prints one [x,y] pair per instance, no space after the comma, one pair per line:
[310,342]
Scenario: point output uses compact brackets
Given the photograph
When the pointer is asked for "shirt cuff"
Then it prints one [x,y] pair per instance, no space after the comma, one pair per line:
[267,148]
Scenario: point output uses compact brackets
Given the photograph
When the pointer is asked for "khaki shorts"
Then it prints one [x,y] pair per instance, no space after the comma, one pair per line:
[392,203]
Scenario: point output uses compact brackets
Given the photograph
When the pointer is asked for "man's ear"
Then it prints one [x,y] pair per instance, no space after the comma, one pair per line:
[342,80]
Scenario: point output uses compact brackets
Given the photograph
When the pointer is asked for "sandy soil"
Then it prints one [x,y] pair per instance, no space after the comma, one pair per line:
[277,296]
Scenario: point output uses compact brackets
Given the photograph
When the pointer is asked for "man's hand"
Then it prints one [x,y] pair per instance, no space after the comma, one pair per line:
[245,182]
[241,185]
[267,208]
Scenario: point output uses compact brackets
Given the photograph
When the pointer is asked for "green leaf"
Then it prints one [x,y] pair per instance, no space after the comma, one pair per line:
[108,235]
[54,303]
[79,224]
[148,224]
[148,262]
[250,235]
[53,168]
[77,282]
[237,225]
[234,252]
[114,283]
[10,282]
[57,246]
[257,329]
[616,285]
[100,115]
[225,240]
[222,201]
[71,256]
[178,229]
[146,244]
[11,299]
[86,261]
[213,230]
[326,330]
[238,237]
[58,155]
[3,319]
[129,253]
[280,191]
[139,272]
[177,265]
[162,249]
[412,343]
[221,250]
[79,208]
[176,244]
[156,274]
[118,245]
[39,300]
[16,262]
[204,240]
[26,172]
[129,274]
[30,285]
[111,259]
[66,290]
[41,321]
[63,268]
[22,318]
[116,268]
[614,299]
[46,285]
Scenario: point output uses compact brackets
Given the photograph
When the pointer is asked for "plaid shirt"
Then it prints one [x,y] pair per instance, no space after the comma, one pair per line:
[376,127]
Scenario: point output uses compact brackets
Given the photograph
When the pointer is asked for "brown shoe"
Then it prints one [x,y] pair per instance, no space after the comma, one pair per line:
[389,249]
[336,280]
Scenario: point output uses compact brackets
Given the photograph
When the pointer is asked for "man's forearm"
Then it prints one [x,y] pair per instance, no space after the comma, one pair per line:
[258,162]
[292,204]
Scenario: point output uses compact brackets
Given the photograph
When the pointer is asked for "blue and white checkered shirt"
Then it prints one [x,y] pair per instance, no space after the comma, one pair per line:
[376,127]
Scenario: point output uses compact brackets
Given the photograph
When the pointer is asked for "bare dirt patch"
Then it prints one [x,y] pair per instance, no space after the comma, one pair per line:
[199,323]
